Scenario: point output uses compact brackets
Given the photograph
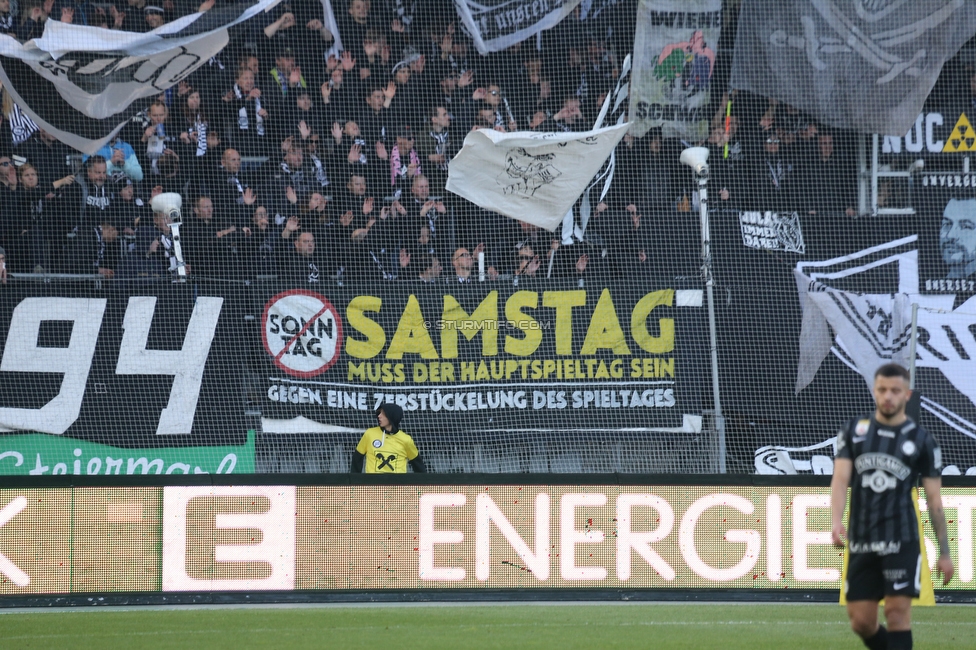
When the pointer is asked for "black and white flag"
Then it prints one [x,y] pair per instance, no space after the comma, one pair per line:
[78,82]
[613,112]
[533,177]
[497,24]
[866,329]
[855,64]
[328,19]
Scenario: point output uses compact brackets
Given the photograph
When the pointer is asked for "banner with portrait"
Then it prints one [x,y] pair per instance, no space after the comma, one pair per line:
[945,203]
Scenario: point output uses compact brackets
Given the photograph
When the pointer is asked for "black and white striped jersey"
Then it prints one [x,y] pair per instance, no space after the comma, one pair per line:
[888,461]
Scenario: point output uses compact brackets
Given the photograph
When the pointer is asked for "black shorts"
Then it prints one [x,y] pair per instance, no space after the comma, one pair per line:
[871,576]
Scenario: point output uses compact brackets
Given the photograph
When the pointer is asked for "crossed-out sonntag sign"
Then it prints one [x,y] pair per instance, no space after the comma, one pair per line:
[228,538]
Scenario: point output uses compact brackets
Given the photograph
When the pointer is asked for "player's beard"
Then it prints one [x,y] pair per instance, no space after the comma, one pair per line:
[891,411]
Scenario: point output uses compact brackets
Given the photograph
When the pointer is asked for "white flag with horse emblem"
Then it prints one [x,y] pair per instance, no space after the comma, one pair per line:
[866,65]
[532,177]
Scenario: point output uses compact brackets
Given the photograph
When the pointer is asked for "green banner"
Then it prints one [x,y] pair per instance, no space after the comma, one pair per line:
[40,453]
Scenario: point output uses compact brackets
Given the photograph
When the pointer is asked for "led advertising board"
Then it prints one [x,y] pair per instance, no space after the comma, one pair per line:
[212,538]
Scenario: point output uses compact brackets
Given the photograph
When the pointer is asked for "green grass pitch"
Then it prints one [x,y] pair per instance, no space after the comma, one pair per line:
[564,626]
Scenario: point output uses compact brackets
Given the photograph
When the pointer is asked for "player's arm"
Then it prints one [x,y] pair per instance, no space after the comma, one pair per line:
[359,456]
[933,498]
[418,465]
[357,462]
[843,468]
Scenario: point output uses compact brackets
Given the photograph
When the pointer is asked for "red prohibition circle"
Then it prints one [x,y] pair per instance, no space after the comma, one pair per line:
[326,307]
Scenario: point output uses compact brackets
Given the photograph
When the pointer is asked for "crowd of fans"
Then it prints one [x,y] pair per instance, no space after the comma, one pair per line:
[298,160]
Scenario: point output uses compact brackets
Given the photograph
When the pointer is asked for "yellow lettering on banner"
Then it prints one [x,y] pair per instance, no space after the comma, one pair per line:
[654,368]
[482,374]
[510,367]
[411,336]
[604,331]
[563,302]
[665,367]
[962,138]
[419,373]
[387,373]
[548,367]
[638,323]
[357,371]
[484,320]
[529,326]
[616,368]
[356,317]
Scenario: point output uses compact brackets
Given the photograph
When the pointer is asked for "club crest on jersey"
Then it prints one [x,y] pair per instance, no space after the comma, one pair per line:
[879,481]
[908,448]
[377,443]
[862,427]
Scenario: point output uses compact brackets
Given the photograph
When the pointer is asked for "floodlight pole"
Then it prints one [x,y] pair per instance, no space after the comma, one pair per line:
[701,175]
[171,204]
[178,252]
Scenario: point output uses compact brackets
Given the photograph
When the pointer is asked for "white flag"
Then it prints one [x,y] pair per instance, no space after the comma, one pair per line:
[78,82]
[532,177]
[498,24]
[328,18]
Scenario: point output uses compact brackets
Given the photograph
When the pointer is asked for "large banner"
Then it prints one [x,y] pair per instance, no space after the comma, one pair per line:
[855,64]
[90,373]
[495,25]
[463,534]
[830,312]
[77,82]
[482,357]
[674,59]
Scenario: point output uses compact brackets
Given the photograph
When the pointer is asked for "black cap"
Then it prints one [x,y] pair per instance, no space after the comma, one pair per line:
[404,131]
[393,413]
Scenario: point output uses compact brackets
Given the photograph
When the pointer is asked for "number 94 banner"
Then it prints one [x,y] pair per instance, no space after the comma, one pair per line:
[128,366]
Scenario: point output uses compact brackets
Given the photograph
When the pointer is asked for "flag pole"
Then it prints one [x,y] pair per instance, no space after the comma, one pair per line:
[914,408]
[728,126]
[697,159]
[911,347]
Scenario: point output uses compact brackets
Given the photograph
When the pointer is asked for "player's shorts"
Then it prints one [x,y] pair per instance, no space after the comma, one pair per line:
[871,576]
